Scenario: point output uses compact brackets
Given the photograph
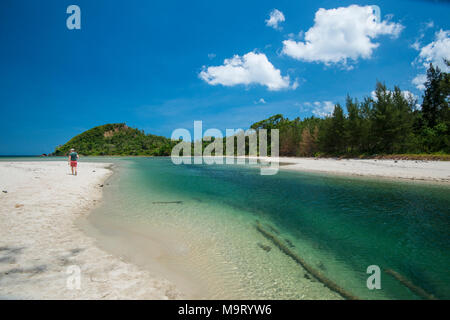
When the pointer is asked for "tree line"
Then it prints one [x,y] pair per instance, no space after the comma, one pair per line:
[389,122]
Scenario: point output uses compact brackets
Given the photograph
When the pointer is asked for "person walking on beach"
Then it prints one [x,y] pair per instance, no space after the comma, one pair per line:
[73,158]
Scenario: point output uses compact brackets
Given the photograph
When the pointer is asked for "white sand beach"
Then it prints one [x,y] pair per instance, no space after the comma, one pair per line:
[438,171]
[40,243]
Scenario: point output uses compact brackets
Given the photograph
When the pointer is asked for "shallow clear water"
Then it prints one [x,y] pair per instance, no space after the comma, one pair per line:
[202,218]
[205,215]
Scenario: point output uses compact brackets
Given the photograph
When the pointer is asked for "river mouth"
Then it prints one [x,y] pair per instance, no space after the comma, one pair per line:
[196,225]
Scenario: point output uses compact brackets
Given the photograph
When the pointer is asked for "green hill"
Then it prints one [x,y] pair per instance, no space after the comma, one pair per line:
[116,139]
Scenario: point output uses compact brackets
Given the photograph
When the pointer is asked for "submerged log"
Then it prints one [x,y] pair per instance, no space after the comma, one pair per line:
[264,247]
[316,274]
[411,286]
[290,244]
[166,202]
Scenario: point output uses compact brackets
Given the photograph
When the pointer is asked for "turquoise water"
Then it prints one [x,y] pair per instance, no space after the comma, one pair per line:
[338,225]
[202,220]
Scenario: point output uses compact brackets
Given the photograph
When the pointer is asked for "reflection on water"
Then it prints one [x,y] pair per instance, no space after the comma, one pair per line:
[200,221]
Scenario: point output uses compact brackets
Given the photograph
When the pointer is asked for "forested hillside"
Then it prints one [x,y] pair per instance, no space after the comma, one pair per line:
[117,139]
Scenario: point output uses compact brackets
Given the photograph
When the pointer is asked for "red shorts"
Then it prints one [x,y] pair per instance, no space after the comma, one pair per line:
[73,163]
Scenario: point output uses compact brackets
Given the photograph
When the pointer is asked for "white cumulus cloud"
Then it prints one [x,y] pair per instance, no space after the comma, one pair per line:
[419,81]
[251,68]
[275,18]
[341,34]
[323,109]
[434,53]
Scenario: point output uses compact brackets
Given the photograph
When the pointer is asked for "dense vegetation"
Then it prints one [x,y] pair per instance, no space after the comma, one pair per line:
[388,123]
[117,139]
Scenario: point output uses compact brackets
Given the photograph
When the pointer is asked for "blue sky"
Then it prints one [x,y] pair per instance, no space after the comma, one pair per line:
[160,65]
